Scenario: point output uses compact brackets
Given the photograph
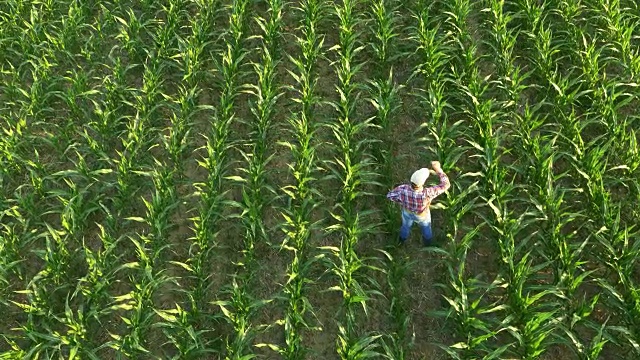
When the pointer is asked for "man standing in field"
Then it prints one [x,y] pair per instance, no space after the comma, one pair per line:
[415,200]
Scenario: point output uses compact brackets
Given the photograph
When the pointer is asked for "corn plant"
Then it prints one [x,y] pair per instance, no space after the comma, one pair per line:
[76,98]
[464,297]
[101,111]
[73,341]
[572,14]
[149,100]
[607,102]
[605,213]
[571,272]
[36,100]
[158,210]
[102,266]
[384,14]
[108,120]
[94,36]
[166,36]
[149,247]
[303,197]
[79,203]
[229,69]
[621,248]
[238,313]
[140,132]
[36,309]
[33,31]
[189,58]
[433,53]
[503,39]
[511,77]
[32,194]
[487,141]
[177,135]
[10,17]
[190,62]
[532,316]
[496,189]
[43,290]
[9,253]
[495,186]
[201,248]
[546,56]
[15,235]
[131,31]
[594,348]
[546,50]
[385,98]
[383,90]
[177,326]
[208,12]
[138,303]
[619,28]
[65,39]
[360,348]
[456,12]
[434,49]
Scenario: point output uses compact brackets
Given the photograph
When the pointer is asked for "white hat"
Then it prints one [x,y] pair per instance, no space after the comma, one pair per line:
[420,176]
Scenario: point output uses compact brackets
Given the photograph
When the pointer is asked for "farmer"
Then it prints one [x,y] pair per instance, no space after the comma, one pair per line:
[415,200]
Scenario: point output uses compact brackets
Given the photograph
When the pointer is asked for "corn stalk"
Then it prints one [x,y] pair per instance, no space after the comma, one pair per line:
[302,195]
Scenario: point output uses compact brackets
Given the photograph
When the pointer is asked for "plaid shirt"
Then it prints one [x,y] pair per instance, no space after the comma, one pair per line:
[418,201]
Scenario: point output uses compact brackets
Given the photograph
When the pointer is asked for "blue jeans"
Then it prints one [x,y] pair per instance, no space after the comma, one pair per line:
[408,218]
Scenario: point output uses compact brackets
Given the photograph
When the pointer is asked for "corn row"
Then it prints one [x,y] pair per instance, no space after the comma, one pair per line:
[302,196]
[351,169]
[255,187]
[30,97]
[230,67]
[183,324]
[435,51]
[384,95]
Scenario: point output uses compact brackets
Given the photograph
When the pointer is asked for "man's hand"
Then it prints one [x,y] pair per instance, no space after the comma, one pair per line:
[436,166]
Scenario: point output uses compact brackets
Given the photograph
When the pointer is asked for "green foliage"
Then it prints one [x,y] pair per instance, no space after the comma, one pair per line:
[179,179]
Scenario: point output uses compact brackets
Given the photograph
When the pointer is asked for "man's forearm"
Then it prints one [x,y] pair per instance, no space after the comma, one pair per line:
[434,191]
[444,179]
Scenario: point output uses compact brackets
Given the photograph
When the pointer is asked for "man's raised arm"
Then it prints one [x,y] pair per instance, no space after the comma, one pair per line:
[444,185]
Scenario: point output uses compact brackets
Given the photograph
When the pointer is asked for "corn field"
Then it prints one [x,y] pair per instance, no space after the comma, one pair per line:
[206,179]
